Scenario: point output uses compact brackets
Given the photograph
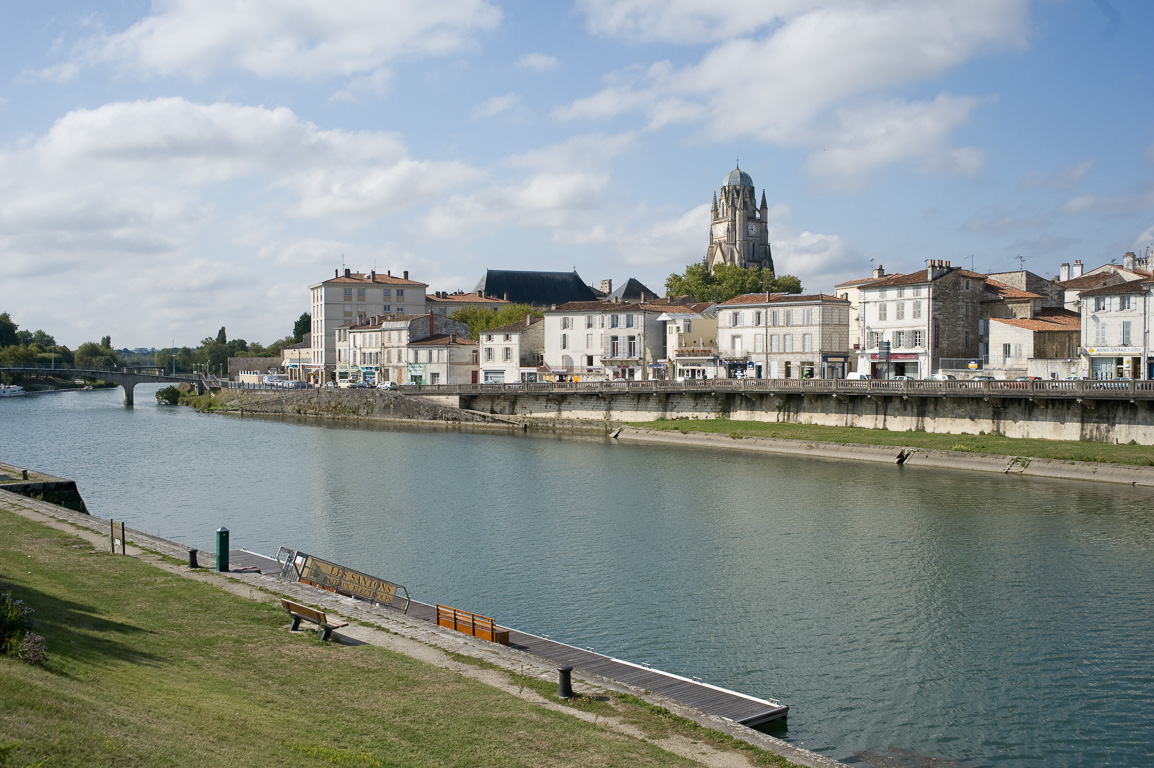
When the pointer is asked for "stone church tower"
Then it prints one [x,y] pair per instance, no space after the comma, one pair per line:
[739,232]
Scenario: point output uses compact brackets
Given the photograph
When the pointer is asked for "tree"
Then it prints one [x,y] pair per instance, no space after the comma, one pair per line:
[93,355]
[221,336]
[106,342]
[301,327]
[7,331]
[480,318]
[727,281]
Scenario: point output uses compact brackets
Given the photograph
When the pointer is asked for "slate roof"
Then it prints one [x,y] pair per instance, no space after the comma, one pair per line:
[536,288]
[632,290]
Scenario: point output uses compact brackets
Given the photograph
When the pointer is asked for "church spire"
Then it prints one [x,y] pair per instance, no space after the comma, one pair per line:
[715,203]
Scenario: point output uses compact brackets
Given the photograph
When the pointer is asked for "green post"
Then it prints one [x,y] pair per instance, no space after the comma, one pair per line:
[222,549]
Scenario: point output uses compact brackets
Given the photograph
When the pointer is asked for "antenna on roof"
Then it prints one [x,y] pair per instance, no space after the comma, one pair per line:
[1021,261]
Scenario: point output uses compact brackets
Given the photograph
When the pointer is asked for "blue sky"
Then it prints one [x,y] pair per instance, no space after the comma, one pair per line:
[170,167]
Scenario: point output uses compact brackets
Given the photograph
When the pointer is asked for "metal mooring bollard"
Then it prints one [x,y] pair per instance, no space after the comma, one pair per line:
[192,559]
[222,549]
[564,682]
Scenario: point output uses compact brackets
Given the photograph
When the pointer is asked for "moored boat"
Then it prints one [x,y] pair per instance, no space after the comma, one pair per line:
[11,390]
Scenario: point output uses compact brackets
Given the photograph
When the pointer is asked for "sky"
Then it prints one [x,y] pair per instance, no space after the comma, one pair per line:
[171,167]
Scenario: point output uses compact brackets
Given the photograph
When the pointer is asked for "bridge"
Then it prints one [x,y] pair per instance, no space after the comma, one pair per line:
[126,377]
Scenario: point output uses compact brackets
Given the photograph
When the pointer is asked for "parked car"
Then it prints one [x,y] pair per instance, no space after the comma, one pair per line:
[941,377]
[330,385]
[982,378]
[363,385]
[387,385]
[1028,378]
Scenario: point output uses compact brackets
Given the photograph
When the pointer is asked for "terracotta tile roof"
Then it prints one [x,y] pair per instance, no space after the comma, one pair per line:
[1004,291]
[781,298]
[378,279]
[1131,286]
[861,281]
[685,307]
[464,298]
[443,339]
[516,327]
[587,306]
[1055,322]
[1088,281]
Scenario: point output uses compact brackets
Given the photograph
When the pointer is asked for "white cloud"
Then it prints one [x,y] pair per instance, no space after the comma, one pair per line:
[494,106]
[875,135]
[296,39]
[1062,178]
[1078,204]
[810,74]
[538,62]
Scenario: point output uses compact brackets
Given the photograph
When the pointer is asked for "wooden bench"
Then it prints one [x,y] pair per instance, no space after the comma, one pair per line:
[472,624]
[304,613]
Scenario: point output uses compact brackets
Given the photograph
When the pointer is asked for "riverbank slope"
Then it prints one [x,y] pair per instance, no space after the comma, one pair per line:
[146,655]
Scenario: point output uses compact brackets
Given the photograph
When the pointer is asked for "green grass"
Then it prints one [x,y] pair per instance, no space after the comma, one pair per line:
[1064,450]
[148,668]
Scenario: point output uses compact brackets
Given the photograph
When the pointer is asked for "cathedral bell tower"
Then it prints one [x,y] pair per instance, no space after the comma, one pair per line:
[739,230]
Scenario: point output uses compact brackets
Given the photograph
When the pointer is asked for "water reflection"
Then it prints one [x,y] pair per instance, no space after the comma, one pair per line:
[959,617]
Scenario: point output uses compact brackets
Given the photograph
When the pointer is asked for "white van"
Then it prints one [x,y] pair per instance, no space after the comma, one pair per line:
[857,376]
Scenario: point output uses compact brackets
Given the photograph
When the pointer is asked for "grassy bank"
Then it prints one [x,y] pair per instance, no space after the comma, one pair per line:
[150,668]
[1064,450]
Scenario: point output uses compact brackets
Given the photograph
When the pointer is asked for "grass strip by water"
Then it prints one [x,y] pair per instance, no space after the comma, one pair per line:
[148,668]
[1062,450]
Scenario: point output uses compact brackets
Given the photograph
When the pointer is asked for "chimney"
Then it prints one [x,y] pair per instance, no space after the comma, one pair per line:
[336,273]
[373,276]
[348,272]
[1064,272]
[528,320]
[607,286]
[937,269]
[1128,260]
[389,273]
[1077,271]
[406,274]
[879,271]
[506,295]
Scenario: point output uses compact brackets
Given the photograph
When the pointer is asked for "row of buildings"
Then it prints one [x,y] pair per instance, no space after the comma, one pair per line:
[938,320]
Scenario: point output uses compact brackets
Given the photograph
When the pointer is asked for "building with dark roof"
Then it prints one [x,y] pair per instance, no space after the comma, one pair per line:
[538,289]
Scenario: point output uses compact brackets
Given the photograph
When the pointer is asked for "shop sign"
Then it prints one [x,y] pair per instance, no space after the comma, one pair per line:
[1092,351]
[897,356]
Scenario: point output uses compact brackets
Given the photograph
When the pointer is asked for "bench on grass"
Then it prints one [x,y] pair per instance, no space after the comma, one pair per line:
[304,613]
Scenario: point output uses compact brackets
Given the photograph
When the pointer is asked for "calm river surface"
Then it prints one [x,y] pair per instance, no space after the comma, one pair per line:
[900,612]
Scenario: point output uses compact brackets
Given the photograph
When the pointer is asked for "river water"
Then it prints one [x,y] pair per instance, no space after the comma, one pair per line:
[903,613]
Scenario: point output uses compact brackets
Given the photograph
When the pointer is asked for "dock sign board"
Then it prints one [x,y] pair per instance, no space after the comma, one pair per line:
[346,581]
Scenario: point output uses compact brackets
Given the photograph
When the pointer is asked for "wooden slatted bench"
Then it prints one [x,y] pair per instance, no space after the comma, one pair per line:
[304,613]
[472,624]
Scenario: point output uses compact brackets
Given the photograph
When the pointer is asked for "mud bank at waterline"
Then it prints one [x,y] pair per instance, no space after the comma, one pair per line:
[354,405]
[917,457]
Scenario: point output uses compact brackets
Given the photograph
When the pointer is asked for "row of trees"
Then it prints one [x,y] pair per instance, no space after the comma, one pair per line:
[214,352]
[21,347]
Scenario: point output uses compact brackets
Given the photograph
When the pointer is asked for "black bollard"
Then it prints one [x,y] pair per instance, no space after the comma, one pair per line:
[192,559]
[564,682]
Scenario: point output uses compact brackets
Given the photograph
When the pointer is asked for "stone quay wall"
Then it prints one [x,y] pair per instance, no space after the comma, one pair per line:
[1052,419]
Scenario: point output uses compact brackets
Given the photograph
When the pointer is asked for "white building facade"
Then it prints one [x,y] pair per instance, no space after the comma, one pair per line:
[1115,331]
[348,299]
[600,340]
[783,336]
[512,352]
